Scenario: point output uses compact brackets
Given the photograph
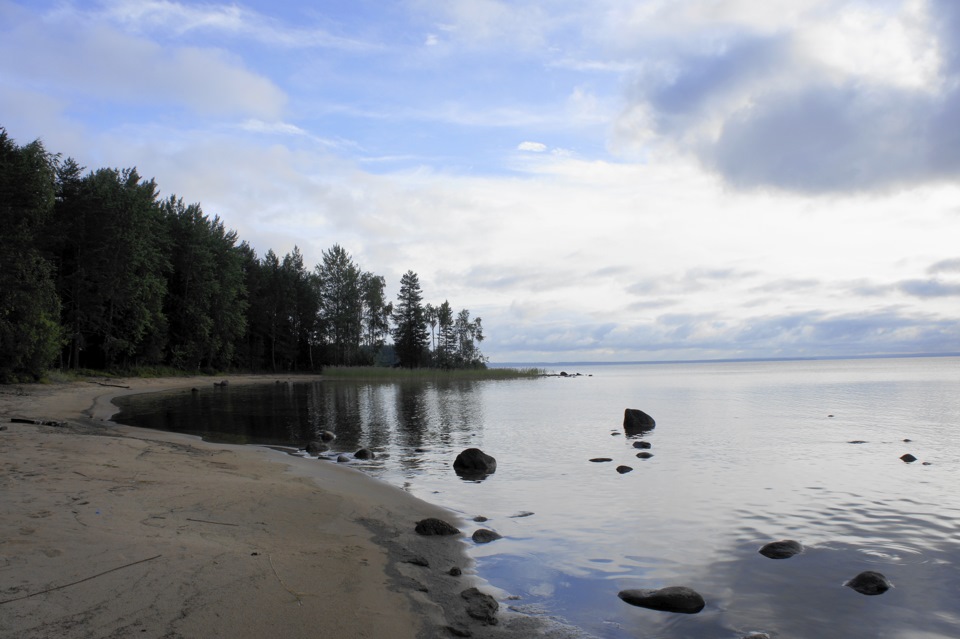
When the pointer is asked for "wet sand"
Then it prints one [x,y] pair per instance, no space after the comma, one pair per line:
[113,531]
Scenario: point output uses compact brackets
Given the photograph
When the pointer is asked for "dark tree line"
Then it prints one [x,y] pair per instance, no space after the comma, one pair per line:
[98,272]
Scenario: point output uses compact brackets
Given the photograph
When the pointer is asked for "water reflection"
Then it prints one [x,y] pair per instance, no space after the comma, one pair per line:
[744,453]
[407,425]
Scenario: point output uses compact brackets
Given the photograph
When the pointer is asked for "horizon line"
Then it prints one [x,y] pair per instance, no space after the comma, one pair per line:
[724,360]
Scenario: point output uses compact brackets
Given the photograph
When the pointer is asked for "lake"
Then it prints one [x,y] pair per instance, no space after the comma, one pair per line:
[743,453]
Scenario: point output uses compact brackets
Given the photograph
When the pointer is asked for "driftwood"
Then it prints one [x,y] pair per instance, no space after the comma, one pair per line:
[105,572]
[111,385]
[35,422]
[207,521]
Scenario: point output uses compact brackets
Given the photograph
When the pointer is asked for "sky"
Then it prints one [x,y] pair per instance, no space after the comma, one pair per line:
[605,181]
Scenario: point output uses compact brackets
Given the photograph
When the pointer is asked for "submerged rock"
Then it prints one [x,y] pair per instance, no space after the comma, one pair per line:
[434,526]
[783,549]
[485,536]
[473,462]
[644,455]
[598,460]
[869,582]
[669,599]
[636,421]
[642,444]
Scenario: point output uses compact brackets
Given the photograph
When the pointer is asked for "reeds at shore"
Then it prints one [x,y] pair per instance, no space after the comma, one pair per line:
[400,374]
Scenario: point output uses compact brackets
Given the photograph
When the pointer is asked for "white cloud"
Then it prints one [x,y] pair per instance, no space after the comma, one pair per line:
[851,97]
[532,147]
[163,17]
[99,63]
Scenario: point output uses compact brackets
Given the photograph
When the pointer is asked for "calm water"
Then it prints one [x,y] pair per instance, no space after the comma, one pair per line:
[744,453]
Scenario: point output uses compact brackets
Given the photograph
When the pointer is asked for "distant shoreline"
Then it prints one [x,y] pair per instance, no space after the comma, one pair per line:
[731,360]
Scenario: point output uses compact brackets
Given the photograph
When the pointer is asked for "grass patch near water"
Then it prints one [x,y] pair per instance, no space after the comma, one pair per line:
[400,374]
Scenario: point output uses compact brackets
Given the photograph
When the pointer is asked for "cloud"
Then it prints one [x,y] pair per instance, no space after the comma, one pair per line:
[705,335]
[68,58]
[929,288]
[945,266]
[485,23]
[532,147]
[164,17]
[813,107]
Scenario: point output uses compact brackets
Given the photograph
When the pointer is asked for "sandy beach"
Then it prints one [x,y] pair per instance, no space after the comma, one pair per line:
[113,531]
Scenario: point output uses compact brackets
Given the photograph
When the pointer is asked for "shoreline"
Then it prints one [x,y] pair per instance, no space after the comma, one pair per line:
[111,530]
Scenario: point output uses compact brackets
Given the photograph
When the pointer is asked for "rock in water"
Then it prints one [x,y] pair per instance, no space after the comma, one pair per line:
[327,437]
[434,526]
[869,582]
[642,444]
[473,462]
[669,599]
[485,536]
[364,453]
[315,448]
[481,606]
[644,455]
[783,549]
[635,421]
[598,460]
[908,458]
[624,469]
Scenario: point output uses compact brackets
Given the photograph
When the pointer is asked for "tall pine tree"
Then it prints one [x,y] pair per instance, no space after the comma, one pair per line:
[410,336]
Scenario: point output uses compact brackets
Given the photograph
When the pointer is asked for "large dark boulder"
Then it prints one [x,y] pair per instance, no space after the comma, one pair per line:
[364,453]
[474,463]
[783,549]
[869,582]
[481,606]
[669,599]
[434,526]
[636,422]
[908,458]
